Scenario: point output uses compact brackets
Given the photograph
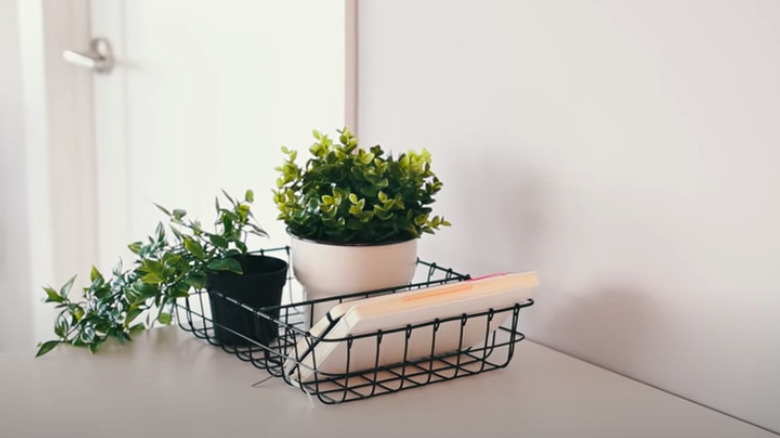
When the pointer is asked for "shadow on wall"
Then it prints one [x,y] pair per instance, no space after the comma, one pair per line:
[526,223]
[612,321]
[505,229]
[511,227]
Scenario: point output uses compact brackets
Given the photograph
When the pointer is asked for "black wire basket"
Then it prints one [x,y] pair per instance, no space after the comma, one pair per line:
[371,364]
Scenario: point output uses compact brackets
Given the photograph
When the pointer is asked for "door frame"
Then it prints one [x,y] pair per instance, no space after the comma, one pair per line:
[59,149]
[351,65]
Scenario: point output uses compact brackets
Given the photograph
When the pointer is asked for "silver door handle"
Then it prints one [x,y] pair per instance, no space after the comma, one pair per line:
[99,58]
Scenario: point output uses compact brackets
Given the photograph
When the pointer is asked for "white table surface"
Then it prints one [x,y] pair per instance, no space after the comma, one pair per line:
[170,384]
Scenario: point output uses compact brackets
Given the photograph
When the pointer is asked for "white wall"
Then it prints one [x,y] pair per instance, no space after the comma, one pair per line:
[16,309]
[629,151]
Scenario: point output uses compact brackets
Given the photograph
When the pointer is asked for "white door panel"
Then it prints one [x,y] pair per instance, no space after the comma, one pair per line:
[202,97]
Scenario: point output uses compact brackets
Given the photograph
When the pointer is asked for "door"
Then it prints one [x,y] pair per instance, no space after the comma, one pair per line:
[201,97]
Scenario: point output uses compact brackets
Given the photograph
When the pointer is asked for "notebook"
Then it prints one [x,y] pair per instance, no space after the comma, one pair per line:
[327,350]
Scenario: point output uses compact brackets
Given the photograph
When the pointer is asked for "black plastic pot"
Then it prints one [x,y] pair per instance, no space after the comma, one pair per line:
[258,287]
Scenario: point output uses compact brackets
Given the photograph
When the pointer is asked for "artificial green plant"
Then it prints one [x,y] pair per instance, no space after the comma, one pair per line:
[347,194]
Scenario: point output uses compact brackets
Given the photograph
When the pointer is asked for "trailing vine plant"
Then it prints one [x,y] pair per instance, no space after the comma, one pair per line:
[167,265]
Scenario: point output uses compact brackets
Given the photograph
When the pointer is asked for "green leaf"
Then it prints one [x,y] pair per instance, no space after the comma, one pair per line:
[179,213]
[249,196]
[87,336]
[78,343]
[132,314]
[61,326]
[257,230]
[180,290]
[218,241]
[228,197]
[52,296]
[94,274]
[179,235]
[232,252]
[243,211]
[78,313]
[163,209]
[153,278]
[164,318]
[196,280]
[160,231]
[170,259]
[65,289]
[136,328]
[195,248]
[140,291]
[231,265]
[149,265]
[46,347]
[135,247]
[119,334]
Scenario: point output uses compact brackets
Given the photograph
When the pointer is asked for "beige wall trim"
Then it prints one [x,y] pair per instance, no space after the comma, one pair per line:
[351,66]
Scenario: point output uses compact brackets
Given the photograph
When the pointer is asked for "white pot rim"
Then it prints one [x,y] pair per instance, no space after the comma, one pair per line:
[348,244]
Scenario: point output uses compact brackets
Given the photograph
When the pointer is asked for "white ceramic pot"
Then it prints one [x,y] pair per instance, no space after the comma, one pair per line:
[327,269]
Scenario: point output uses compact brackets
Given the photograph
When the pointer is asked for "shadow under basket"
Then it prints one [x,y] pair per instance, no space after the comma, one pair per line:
[233,297]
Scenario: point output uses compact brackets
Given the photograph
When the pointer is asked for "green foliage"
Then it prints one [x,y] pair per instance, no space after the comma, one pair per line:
[347,194]
[166,266]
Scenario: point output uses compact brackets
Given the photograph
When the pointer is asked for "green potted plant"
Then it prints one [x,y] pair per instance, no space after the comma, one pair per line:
[355,214]
[165,269]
